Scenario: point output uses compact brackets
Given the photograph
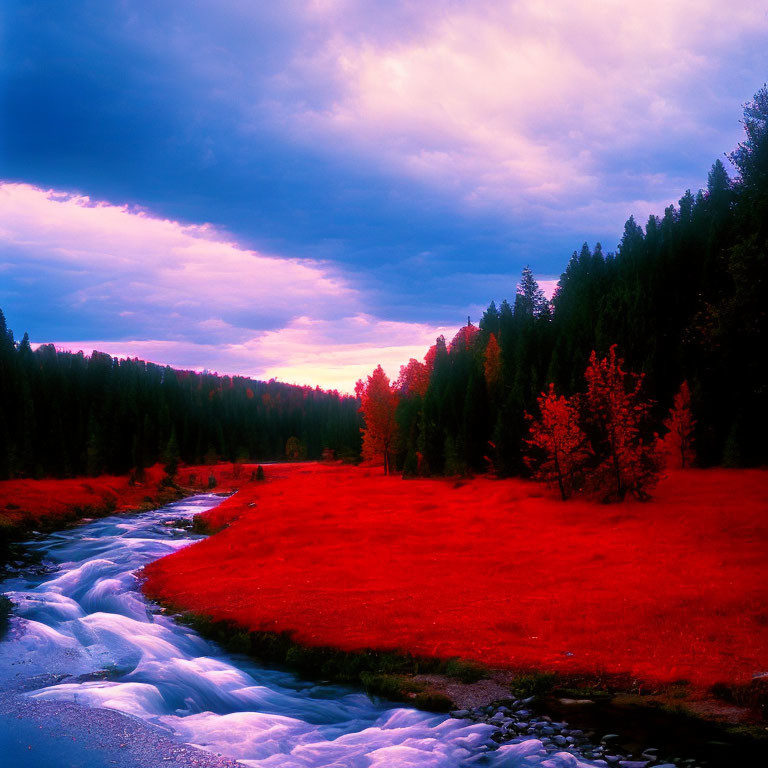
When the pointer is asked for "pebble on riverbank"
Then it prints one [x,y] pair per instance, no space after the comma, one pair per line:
[516,722]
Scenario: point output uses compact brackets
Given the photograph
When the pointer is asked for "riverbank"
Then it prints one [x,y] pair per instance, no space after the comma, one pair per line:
[28,505]
[663,601]
[611,718]
[82,635]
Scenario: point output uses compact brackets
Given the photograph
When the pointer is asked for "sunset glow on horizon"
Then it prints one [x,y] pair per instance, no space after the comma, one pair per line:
[306,194]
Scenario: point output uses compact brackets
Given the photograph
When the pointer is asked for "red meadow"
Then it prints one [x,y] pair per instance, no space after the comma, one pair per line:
[497,571]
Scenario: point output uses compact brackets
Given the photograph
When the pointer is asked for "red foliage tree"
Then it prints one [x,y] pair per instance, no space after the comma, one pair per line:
[465,337]
[492,362]
[413,379]
[558,440]
[618,412]
[678,441]
[378,403]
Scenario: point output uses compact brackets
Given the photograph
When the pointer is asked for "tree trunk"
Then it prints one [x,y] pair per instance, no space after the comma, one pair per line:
[560,478]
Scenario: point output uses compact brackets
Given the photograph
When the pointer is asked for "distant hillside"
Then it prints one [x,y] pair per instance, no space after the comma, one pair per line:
[65,414]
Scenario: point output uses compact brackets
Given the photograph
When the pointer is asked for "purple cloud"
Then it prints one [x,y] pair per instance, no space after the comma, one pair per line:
[187,292]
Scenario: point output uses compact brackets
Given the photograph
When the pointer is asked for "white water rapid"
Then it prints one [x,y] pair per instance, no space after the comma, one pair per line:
[82,621]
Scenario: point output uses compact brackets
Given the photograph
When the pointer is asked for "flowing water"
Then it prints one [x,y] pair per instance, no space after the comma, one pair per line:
[83,622]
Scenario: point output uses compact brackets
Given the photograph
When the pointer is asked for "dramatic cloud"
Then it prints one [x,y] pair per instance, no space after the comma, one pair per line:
[397,161]
[535,105]
[183,295]
[158,275]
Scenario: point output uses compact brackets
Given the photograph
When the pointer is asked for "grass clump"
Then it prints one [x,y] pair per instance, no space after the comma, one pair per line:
[753,695]
[432,701]
[394,687]
[464,671]
[533,684]
[403,688]
[201,525]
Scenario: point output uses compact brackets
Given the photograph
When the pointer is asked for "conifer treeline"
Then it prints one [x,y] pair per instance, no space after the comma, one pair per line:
[685,297]
[68,414]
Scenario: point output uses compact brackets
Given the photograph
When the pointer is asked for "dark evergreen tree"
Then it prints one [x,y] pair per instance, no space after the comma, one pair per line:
[530,299]
[685,298]
[66,414]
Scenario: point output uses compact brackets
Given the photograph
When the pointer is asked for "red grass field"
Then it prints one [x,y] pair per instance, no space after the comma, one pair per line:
[493,570]
[49,503]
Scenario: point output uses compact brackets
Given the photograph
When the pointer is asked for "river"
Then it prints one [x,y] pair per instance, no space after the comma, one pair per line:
[85,640]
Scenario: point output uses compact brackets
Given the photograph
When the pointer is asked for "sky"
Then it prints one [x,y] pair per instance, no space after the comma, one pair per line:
[305,189]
